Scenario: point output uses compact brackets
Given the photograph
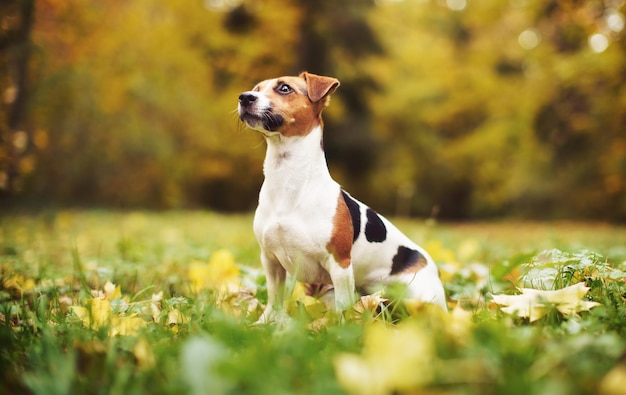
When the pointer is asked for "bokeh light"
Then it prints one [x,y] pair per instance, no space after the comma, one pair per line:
[598,42]
[456,5]
[529,39]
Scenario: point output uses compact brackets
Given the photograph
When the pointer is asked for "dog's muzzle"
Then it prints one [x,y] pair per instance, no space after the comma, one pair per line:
[254,116]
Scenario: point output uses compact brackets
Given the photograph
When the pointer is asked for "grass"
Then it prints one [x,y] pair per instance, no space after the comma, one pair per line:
[100,302]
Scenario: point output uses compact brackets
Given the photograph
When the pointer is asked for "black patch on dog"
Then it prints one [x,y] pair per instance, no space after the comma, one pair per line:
[375,231]
[405,259]
[355,214]
[272,122]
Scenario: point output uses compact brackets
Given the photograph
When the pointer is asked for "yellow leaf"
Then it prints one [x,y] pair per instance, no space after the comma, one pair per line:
[366,309]
[318,324]
[522,305]
[241,303]
[82,313]
[112,292]
[100,312]
[96,315]
[394,359]
[143,353]
[355,375]
[459,323]
[220,274]
[19,283]
[126,326]
[198,274]
[468,249]
[447,271]
[155,306]
[438,252]
[534,304]
[299,292]
[224,272]
[614,382]
[175,316]
[314,307]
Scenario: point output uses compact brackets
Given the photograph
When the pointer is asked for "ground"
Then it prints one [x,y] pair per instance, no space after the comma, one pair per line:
[140,302]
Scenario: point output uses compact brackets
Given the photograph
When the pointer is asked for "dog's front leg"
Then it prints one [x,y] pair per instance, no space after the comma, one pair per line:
[275,275]
[343,282]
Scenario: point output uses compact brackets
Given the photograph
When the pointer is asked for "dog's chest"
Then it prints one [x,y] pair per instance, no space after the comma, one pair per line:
[295,228]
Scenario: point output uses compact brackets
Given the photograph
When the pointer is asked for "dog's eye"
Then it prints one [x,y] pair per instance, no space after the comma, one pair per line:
[284,89]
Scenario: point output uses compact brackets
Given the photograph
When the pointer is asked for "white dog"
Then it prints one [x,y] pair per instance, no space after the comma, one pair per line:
[305,223]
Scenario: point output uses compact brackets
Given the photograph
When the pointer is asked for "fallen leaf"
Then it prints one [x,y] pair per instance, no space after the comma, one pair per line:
[111,291]
[99,314]
[394,360]
[314,307]
[367,307]
[143,353]
[126,326]
[155,306]
[241,303]
[614,382]
[534,304]
[459,323]
[96,315]
[221,273]
[174,318]
[19,283]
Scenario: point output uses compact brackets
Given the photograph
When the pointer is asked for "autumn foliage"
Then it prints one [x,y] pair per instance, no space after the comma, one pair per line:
[452,108]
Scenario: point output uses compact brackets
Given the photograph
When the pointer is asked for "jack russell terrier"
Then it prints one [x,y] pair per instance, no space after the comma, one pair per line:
[305,223]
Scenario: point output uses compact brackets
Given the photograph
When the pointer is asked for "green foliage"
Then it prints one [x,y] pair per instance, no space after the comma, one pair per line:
[196,341]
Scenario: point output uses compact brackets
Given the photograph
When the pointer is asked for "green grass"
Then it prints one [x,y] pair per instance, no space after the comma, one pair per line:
[197,341]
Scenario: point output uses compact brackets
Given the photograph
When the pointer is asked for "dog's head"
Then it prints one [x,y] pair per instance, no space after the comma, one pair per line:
[290,106]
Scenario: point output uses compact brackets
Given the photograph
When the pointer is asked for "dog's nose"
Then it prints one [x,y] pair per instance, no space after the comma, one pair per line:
[246,98]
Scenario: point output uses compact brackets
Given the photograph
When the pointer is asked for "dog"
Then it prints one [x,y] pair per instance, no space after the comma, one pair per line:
[305,223]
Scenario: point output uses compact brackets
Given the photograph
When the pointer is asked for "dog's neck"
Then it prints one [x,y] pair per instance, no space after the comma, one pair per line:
[292,163]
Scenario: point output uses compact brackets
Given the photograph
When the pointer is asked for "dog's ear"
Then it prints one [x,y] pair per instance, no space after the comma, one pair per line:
[319,87]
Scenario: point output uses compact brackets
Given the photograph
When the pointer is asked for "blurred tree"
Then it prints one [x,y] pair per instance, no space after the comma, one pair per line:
[505,107]
[16,21]
[465,109]
[335,39]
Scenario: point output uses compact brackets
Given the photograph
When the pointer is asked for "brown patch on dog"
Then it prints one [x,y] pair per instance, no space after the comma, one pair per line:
[340,244]
[417,266]
[302,108]
[319,87]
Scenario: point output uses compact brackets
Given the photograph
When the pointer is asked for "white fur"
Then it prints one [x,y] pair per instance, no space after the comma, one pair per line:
[293,224]
[293,221]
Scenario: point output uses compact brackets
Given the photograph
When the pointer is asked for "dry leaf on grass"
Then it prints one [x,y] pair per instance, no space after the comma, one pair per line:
[534,304]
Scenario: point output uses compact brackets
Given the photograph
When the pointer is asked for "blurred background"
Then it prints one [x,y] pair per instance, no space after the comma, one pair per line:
[454,109]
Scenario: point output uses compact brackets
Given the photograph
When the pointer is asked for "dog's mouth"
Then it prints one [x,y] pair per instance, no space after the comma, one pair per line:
[266,120]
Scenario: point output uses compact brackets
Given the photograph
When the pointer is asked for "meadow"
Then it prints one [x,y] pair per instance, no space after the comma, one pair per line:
[105,302]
